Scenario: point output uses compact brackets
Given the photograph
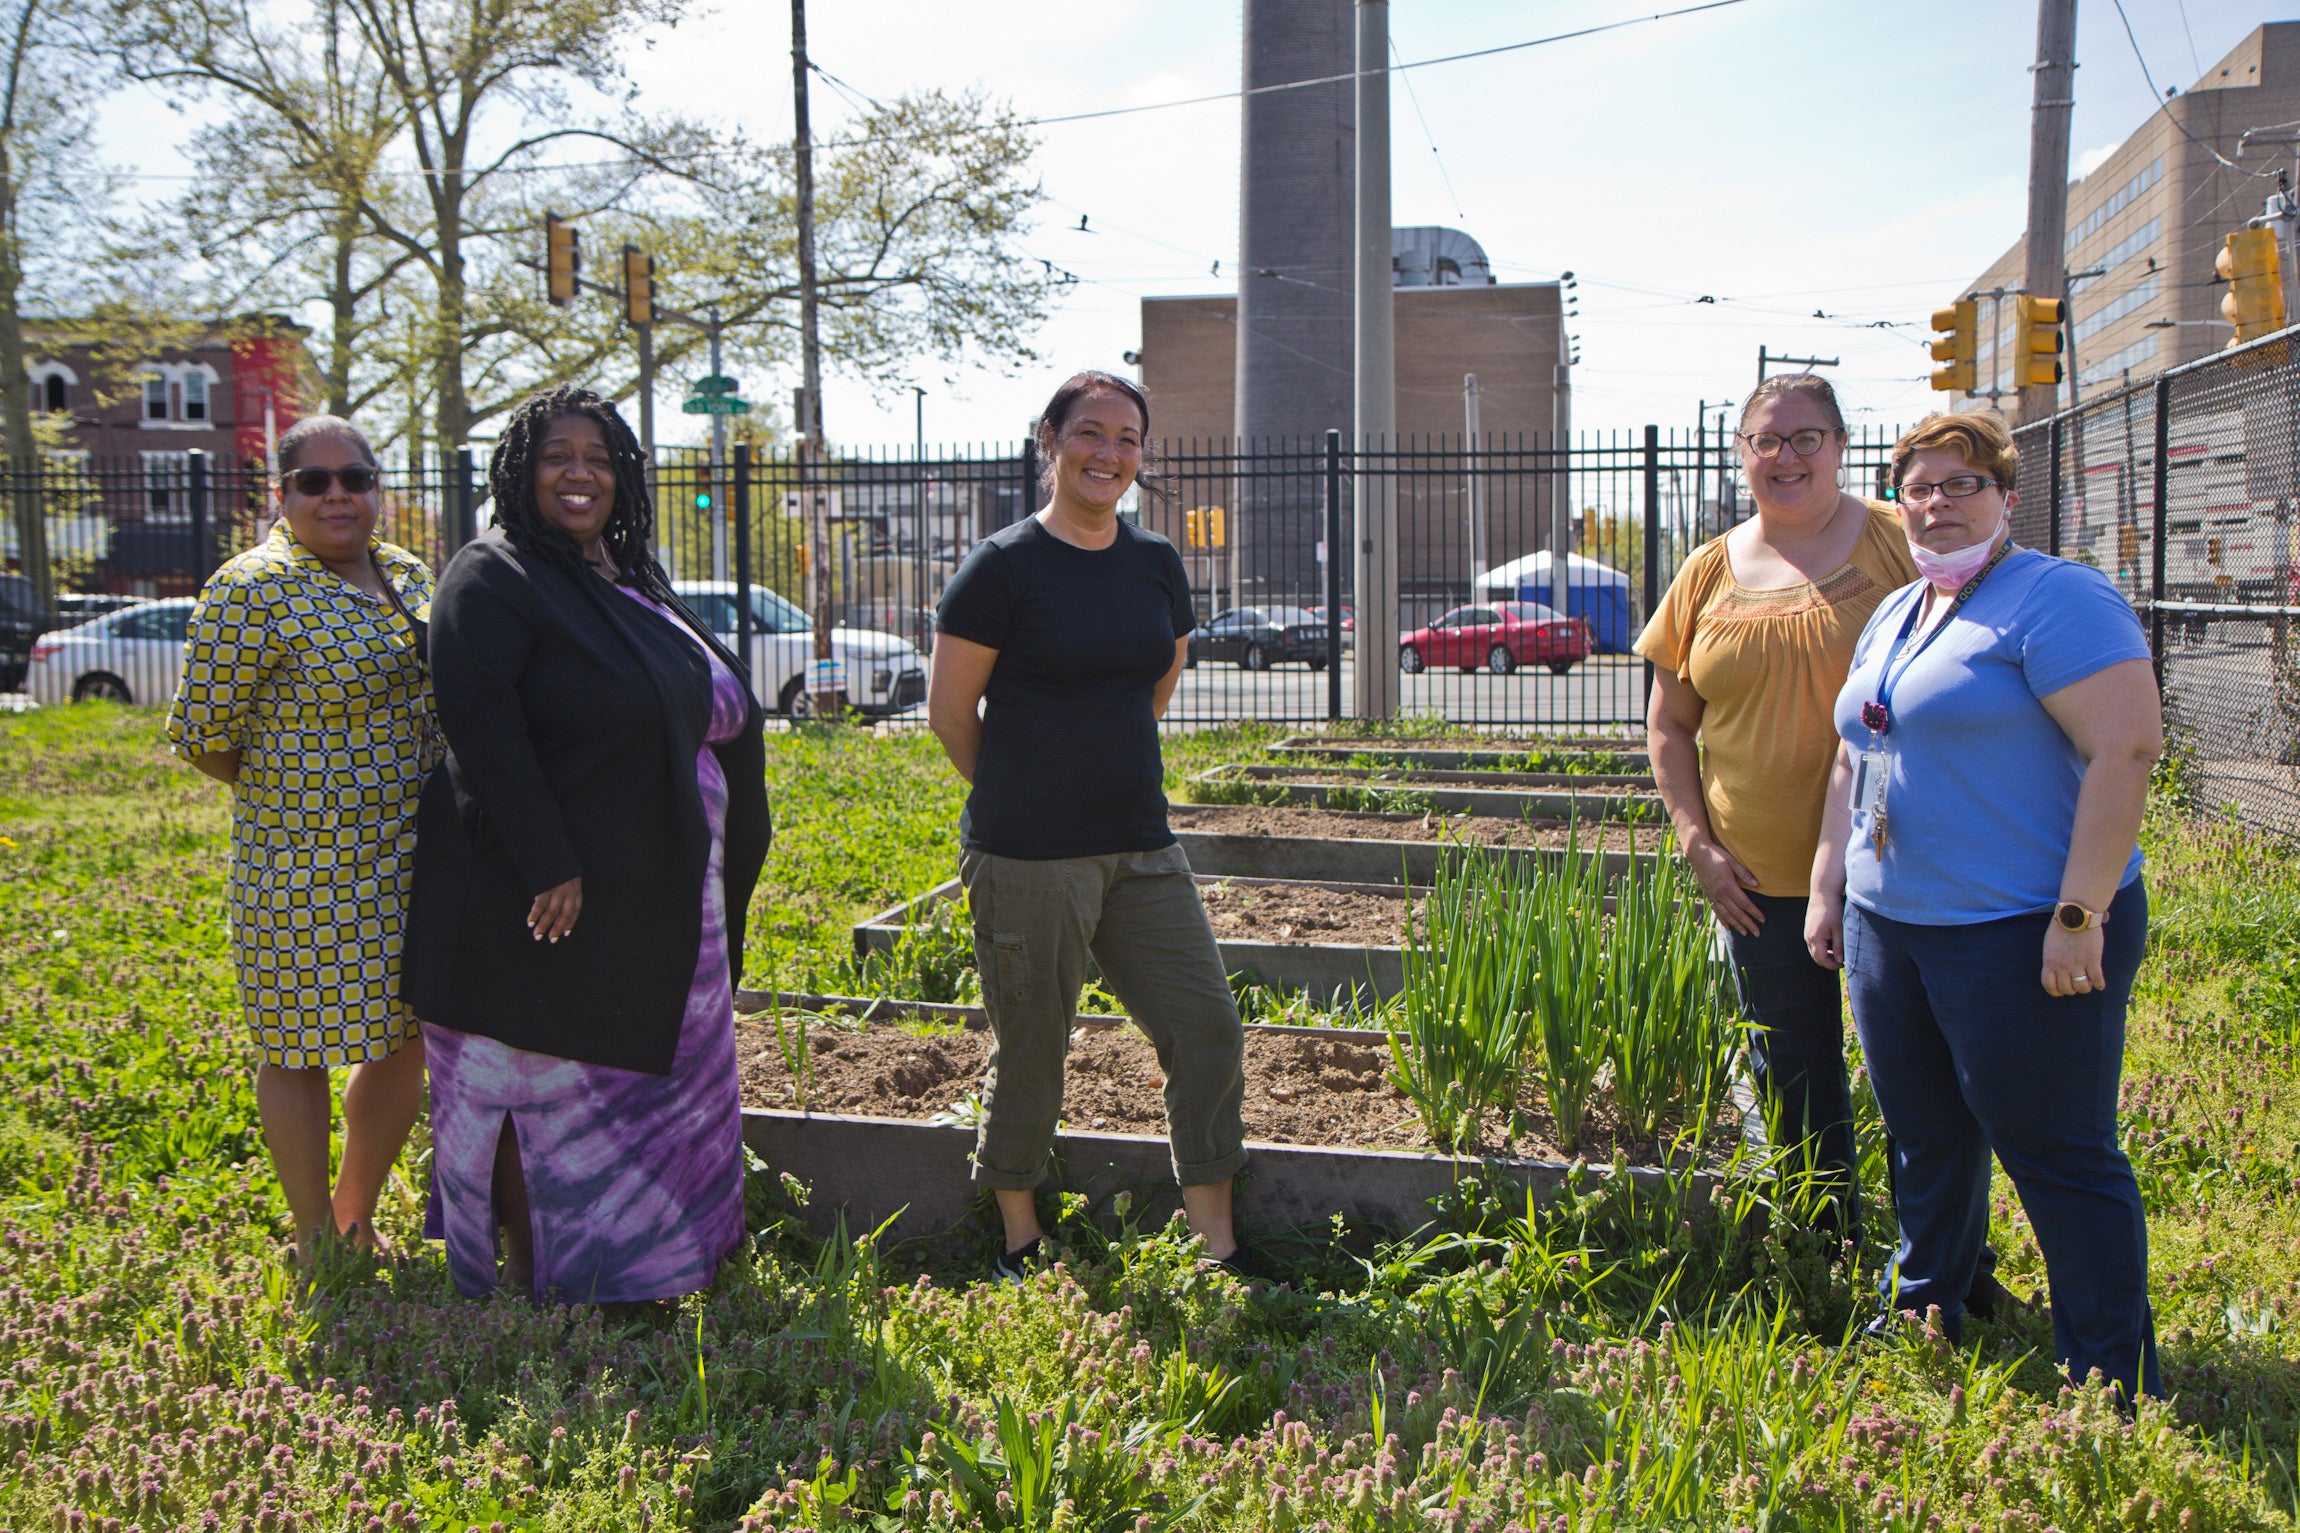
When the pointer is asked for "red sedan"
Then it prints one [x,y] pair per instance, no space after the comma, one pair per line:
[1501,636]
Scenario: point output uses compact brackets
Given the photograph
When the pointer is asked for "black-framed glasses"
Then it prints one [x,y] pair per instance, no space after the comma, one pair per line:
[356,479]
[1955,487]
[1768,444]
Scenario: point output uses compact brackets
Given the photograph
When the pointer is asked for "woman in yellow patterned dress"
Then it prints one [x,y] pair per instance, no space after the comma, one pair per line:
[305,689]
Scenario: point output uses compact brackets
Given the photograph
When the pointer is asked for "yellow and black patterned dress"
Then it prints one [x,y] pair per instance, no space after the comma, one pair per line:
[323,690]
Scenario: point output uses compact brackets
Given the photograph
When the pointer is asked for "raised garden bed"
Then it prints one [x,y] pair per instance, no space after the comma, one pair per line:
[1353,846]
[1327,1132]
[1516,795]
[1330,939]
[1569,756]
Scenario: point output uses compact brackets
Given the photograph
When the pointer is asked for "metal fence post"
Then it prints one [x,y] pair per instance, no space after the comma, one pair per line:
[465,499]
[2052,508]
[743,554]
[196,497]
[1029,474]
[1333,575]
[1652,542]
[2163,482]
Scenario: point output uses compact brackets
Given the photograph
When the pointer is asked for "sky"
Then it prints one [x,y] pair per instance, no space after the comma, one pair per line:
[1712,180]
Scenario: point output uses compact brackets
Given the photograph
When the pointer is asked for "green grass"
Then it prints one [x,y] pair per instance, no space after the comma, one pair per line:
[1604,1363]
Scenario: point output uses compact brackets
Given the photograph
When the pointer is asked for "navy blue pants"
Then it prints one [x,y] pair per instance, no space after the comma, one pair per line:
[1797,1051]
[1968,1055]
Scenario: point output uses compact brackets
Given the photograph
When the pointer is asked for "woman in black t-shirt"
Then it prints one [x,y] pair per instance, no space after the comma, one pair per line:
[1058,643]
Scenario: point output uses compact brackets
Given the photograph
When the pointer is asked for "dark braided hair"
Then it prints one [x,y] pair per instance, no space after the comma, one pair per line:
[630,527]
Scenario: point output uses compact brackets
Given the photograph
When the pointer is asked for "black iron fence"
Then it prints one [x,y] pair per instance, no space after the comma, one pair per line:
[2182,489]
[1493,627]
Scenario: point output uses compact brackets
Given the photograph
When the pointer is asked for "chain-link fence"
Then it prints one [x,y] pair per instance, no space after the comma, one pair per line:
[2182,490]
[1491,626]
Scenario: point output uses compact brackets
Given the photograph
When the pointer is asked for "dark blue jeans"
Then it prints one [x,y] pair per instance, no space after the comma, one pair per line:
[1969,1055]
[1797,1052]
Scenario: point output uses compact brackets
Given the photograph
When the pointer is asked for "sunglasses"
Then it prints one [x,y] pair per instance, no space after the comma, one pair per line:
[358,479]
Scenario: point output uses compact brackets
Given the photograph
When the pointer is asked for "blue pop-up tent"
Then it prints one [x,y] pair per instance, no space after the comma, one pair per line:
[1594,592]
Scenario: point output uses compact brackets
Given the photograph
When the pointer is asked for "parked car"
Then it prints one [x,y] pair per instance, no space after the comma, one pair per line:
[884,674]
[134,655]
[1501,636]
[21,622]
[1349,625]
[1260,637]
[77,607]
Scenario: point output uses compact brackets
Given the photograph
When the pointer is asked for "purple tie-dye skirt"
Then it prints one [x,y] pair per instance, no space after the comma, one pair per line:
[635,1181]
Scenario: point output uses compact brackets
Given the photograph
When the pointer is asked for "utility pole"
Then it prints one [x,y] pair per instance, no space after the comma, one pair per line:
[824,681]
[718,460]
[1473,439]
[1767,359]
[2045,252]
[1375,394]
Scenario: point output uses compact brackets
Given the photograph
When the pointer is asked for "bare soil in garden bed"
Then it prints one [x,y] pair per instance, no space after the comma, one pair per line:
[1406,779]
[1498,743]
[1300,1089]
[1357,825]
[1296,913]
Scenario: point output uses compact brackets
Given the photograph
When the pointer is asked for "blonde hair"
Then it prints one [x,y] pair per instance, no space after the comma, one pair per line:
[1980,437]
[1802,385]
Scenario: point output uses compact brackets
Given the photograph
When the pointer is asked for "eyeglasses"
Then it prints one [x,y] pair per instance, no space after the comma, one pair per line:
[1955,487]
[357,479]
[1768,444]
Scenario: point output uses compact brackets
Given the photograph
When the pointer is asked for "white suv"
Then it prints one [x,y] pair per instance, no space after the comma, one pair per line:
[884,673]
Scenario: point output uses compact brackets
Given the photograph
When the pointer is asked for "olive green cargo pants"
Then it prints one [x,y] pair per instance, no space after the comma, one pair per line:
[1139,915]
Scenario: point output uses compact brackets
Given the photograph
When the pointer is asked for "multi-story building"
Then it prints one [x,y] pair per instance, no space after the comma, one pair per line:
[121,498]
[2146,225]
[1453,321]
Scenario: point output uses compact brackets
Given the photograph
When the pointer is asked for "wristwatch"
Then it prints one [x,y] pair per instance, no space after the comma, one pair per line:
[2076,918]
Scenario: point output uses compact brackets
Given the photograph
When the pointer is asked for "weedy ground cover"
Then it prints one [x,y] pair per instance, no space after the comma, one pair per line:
[1600,1363]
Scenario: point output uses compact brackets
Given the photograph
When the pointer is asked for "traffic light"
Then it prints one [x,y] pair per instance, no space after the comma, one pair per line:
[638,286]
[702,500]
[562,259]
[2254,302]
[1194,528]
[1962,321]
[2038,352]
[1215,533]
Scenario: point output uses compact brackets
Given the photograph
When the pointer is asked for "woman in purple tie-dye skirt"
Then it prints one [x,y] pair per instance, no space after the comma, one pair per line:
[584,861]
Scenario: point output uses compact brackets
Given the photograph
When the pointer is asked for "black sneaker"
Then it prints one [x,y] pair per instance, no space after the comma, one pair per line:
[1014,1266]
[1247,1265]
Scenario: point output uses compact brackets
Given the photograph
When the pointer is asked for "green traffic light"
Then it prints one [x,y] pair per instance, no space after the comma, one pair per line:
[702,500]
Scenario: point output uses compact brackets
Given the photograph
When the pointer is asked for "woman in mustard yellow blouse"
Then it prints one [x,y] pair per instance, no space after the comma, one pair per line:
[1749,650]
[304,689]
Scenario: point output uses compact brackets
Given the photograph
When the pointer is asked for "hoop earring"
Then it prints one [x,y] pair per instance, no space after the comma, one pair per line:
[1843,484]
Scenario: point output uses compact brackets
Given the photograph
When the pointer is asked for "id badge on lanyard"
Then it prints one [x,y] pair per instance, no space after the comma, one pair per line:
[1870,769]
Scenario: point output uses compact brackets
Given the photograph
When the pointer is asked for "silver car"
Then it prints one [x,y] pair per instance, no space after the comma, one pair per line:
[884,673]
[134,655]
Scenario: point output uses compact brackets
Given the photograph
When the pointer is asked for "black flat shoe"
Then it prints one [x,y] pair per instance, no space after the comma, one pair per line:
[1247,1265]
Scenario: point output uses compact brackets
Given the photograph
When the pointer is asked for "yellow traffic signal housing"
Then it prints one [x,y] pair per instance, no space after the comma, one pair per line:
[2254,302]
[1215,533]
[1962,322]
[1194,528]
[2041,341]
[562,259]
[638,286]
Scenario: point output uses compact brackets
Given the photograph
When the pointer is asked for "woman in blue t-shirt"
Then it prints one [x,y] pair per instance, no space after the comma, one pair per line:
[1979,880]
[1058,644]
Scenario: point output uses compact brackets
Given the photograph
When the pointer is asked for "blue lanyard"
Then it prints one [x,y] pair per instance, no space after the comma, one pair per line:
[1879,714]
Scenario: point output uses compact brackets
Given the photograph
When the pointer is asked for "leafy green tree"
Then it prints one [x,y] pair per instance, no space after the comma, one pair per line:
[50,184]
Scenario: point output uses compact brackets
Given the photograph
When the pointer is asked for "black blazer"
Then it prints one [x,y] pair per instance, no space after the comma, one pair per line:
[572,716]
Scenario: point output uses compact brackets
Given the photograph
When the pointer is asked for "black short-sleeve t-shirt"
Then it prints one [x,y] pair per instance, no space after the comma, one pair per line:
[1070,765]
